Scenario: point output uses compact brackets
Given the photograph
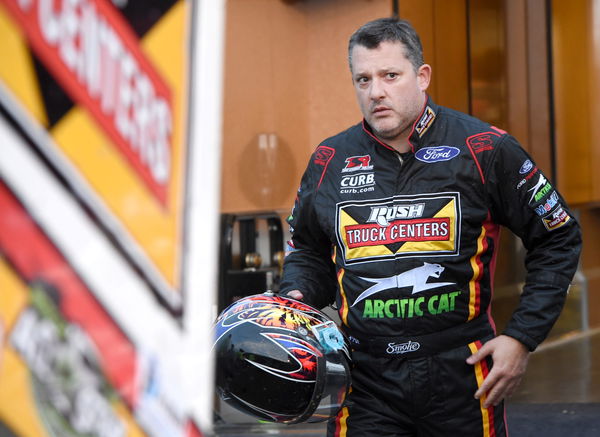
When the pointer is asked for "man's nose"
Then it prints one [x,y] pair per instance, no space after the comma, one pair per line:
[376,90]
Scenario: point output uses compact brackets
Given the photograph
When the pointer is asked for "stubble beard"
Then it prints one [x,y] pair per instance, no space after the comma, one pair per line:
[401,129]
[393,132]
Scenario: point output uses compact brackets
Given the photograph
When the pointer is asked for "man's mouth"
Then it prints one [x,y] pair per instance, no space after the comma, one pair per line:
[380,110]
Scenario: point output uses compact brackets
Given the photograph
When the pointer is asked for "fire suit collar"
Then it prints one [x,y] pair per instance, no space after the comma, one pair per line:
[367,129]
[421,125]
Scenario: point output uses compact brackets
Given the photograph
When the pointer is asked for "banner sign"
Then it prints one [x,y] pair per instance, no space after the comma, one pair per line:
[100,335]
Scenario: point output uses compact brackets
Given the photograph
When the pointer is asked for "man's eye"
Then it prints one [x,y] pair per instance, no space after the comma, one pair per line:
[392,75]
[363,80]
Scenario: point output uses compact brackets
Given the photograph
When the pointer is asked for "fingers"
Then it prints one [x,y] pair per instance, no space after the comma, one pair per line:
[500,383]
[480,354]
[490,384]
[501,388]
[295,294]
[510,361]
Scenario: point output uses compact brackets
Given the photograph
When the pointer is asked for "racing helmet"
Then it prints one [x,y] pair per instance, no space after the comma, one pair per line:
[281,360]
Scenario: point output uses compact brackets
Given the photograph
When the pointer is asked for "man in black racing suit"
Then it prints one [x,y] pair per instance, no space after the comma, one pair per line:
[397,221]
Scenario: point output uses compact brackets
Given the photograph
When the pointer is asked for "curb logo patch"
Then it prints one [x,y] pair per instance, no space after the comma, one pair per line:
[357,183]
[399,227]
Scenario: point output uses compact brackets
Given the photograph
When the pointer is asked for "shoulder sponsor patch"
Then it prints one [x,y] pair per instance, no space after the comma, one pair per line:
[526,167]
[425,121]
[437,153]
[358,163]
[398,227]
[482,142]
[323,155]
[556,219]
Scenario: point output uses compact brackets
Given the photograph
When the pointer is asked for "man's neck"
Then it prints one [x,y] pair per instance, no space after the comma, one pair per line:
[402,145]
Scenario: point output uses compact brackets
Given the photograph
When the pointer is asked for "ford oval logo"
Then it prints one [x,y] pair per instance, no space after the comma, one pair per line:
[436,154]
[526,167]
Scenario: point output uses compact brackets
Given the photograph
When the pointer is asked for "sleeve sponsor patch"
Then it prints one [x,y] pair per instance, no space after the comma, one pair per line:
[482,142]
[547,206]
[556,219]
[323,155]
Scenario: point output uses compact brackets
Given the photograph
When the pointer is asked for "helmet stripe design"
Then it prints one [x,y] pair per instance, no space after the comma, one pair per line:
[301,352]
[267,315]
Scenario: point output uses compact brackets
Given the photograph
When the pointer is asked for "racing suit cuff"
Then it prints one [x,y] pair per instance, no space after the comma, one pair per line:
[529,343]
[553,279]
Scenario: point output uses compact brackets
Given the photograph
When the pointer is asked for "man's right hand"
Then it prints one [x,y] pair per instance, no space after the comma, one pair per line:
[295,294]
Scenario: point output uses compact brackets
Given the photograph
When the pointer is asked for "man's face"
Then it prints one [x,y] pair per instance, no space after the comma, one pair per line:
[390,93]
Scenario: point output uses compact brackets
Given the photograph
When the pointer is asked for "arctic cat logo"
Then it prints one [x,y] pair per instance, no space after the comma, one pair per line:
[410,307]
[416,278]
[383,215]
[399,226]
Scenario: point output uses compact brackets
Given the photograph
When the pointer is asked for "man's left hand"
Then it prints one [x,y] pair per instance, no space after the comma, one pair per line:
[509,363]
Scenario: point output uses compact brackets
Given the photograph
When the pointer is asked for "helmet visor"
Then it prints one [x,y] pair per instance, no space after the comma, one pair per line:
[328,401]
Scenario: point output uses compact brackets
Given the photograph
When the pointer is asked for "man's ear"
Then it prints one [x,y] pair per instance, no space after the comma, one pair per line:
[424,76]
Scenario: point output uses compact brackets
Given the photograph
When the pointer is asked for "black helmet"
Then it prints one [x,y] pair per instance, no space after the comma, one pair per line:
[281,360]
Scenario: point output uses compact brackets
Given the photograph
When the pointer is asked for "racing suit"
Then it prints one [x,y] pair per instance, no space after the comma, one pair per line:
[405,244]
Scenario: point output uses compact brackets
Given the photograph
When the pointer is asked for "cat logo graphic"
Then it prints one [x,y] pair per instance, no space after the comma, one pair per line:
[402,226]
[415,278]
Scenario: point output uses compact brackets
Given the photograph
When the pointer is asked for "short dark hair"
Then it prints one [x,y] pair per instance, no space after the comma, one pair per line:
[373,33]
